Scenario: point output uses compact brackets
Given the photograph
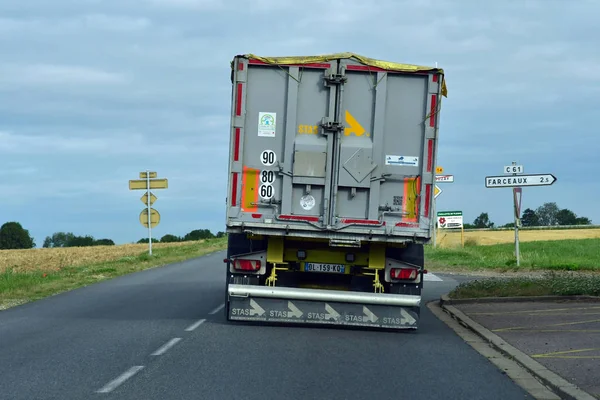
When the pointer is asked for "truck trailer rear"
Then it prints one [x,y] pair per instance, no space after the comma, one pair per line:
[330,191]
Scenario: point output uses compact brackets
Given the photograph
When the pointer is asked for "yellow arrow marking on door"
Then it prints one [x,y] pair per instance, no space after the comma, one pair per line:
[355,127]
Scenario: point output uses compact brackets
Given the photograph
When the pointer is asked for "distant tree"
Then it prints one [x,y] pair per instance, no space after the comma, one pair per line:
[104,242]
[566,217]
[509,225]
[199,234]
[530,218]
[58,239]
[81,241]
[168,238]
[547,214]
[143,240]
[483,221]
[220,234]
[468,226]
[583,221]
[14,236]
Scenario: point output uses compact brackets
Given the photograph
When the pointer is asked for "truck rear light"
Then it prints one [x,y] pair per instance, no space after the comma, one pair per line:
[246,265]
[405,274]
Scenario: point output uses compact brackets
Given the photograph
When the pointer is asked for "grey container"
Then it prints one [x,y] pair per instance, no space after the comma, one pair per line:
[339,147]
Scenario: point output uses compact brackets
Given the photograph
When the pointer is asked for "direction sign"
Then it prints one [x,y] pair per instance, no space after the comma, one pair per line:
[444,178]
[144,175]
[436,191]
[154,217]
[519,180]
[513,169]
[143,184]
[144,198]
[439,170]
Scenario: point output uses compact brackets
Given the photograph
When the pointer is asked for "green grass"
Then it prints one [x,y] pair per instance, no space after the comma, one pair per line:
[557,284]
[21,287]
[572,255]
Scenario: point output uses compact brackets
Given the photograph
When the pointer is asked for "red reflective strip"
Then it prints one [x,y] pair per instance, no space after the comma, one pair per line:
[407,225]
[256,216]
[432,112]
[299,218]
[309,65]
[236,150]
[240,67]
[238,104]
[435,78]
[427,198]
[365,68]
[429,155]
[234,184]
[362,221]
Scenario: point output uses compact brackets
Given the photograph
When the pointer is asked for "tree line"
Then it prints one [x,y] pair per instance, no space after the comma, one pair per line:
[14,236]
[196,234]
[548,214]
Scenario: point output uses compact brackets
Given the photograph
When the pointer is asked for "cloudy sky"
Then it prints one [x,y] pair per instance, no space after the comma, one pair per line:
[92,92]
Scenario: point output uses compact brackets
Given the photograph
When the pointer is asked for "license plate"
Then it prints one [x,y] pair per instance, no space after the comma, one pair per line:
[333,268]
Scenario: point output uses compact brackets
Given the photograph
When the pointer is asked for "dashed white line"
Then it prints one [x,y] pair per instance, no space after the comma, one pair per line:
[216,310]
[112,385]
[166,346]
[195,325]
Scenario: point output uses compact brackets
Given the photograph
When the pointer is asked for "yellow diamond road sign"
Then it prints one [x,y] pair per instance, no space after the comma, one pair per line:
[154,217]
[436,191]
[144,198]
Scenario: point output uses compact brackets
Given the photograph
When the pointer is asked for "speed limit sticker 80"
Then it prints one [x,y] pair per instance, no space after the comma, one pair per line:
[267,177]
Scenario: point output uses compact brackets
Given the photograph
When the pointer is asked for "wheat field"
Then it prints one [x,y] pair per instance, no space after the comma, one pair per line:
[53,259]
[451,238]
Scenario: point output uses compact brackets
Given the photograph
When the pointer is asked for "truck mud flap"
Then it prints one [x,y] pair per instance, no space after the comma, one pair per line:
[303,311]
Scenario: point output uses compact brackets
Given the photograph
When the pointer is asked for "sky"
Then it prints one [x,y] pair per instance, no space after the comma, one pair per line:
[93,92]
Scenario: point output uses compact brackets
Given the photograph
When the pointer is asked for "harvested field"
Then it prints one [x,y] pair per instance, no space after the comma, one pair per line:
[53,259]
[451,238]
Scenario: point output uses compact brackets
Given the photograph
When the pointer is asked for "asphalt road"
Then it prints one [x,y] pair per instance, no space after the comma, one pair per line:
[160,334]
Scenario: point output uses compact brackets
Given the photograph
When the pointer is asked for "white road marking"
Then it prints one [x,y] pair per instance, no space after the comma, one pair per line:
[112,385]
[216,310]
[166,346]
[195,325]
[431,277]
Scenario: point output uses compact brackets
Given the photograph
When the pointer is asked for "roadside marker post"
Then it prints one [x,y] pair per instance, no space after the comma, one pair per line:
[517,180]
[149,217]
[436,192]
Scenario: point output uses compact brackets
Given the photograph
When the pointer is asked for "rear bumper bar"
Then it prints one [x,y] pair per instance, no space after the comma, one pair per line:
[324,295]
[316,306]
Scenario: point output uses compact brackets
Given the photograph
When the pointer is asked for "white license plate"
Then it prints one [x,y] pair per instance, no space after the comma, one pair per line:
[333,268]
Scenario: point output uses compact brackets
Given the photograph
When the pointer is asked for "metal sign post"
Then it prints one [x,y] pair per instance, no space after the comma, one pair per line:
[517,181]
[149,217]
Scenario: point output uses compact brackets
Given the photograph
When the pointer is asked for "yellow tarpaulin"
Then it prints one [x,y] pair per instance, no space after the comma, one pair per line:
[392,66]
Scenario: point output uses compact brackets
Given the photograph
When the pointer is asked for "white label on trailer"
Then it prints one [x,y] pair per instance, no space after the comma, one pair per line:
[268,158]
[405,161]
[267,177]
[266,191]
[267,124]
[307,202]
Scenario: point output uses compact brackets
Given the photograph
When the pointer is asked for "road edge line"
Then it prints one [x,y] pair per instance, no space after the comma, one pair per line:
[562,387]
[119,380]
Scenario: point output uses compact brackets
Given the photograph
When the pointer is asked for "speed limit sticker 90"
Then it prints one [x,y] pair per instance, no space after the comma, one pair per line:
[267,177]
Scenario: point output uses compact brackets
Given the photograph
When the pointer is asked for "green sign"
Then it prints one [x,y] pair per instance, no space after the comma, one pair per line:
[449,214]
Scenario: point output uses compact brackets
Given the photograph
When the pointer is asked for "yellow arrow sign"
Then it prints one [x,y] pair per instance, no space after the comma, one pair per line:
[144,198]
[154,217]
[436,191]
[355,128]
[136,184]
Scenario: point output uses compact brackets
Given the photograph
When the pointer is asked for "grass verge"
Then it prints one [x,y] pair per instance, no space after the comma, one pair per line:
[20,285]
[570,255]
[550,284]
